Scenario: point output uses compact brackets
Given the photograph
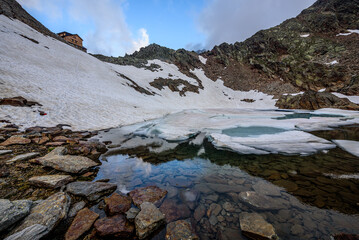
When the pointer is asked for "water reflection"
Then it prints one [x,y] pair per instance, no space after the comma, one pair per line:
[300,196]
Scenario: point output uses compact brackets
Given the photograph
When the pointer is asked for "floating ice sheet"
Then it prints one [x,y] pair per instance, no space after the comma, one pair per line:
[351,147]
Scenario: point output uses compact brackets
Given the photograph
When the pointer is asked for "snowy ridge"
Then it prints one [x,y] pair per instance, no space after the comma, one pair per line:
[78,89]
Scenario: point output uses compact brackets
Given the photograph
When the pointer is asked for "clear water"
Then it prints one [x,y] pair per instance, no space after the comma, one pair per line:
[307,116]
[307,203]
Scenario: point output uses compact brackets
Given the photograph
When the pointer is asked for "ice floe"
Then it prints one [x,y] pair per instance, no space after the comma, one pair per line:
[350,146]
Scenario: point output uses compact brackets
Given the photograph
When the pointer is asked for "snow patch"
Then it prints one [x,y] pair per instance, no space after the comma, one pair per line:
[353,99]
[351,147]
[304,35]
[349,32]
[332,63]
[202,59]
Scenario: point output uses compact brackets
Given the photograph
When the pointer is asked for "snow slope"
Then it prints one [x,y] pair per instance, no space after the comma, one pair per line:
[78,89]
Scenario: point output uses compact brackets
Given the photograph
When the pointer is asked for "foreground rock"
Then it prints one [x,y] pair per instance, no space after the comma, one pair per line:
[11,212]
[48,213]
[92,191]
[180,230]
[16,140]
[116,226]
[255,227]
[23,157]
[81,224]
[67,163]
[315,100]
[148,220]
[51,181]
[34,232]
[152,194]
[117,204]
[261,202]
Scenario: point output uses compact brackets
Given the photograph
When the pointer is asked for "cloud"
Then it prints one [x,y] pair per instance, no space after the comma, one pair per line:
[106,29]
[236,20]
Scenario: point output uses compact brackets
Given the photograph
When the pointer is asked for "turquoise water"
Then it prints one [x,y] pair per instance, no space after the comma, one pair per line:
[251,131]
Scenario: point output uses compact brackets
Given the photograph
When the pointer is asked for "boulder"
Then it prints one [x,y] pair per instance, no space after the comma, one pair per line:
[152,194]
[174,211]
[34,232]
[262,202]
[23,157]
[48,213]
[16,140]
[180,230]
[114,227]
[132,213]
[67,163]
[51,181]
[148,220]
[117,204]
[92,191]
[83,221]
[11,212]
[255,227]
[76,208]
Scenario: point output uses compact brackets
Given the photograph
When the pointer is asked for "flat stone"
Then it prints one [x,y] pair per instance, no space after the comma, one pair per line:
[261,202]
[190,197]
[265,188]
[12,212]
[254,226]
[174,211]
[180,230]
[55,144]
[51,181]
[132,213]
[180,182]
[23,157]
[223,188]
[67,163]
[116,226]
[60,139]
[16,140]
[34,232]
[48,213]
[3,152]
[152,194]
[213,220]
[76,208]
[228,207]
[213,197]
[83,221]
[148,220]
[214,209]
[199,213]
[117,204]
[92,191]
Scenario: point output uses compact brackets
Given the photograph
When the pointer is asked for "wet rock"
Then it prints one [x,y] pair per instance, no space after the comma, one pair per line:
[213,220]
[254,226]
[213,197]
[171,191]
[34,232]
[180,230]
[152,194]
[51,181]
[92,191]
[3,152]
[11,212]
[23,157]
[265,188]
[76,208]
[223,188]
[288,185]
[190,197]
[203,188]
[116,226]
[67,163]
[117,204]
[132,213]
[81,224]
[297,230]
[214,209]
[230,234]
[148,220]
[16,140]
[60,139]
[180,182]
[228,207]
[48,213]
[261,202]
[174,211]
[199,213]
[55,144]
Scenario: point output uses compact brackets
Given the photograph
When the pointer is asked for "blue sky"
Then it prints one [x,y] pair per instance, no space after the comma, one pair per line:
[116,27]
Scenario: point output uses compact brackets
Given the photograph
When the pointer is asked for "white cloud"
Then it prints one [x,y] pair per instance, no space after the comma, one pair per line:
[108,32]
[235,20]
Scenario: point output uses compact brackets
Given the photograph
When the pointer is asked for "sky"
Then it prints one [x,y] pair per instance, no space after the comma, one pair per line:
[117,27]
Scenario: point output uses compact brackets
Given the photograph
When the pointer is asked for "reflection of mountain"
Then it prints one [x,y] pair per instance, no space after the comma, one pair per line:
[304,177]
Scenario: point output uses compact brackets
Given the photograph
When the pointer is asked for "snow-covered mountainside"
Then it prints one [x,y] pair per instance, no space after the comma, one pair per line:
[77,89]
